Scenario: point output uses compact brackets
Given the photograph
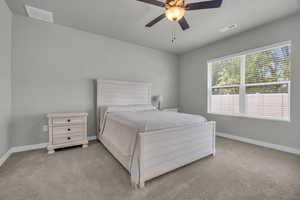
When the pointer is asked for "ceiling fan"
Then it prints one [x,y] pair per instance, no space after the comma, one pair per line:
[175,10]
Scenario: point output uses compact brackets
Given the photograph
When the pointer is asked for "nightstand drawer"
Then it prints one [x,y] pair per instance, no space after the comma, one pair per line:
[67,139]
[68,121]
[68,130]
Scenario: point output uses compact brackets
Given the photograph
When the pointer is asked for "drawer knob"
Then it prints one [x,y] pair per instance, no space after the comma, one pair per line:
[69,138]
[69,129]
[69,120]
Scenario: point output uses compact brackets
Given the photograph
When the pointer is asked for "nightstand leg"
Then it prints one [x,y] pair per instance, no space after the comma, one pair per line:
[85,145]
[142,184]
[51,151]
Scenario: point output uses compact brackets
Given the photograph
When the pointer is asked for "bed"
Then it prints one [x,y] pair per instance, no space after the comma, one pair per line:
[148,142]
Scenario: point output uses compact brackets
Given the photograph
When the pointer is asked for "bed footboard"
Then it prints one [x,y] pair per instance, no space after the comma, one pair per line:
[165,150]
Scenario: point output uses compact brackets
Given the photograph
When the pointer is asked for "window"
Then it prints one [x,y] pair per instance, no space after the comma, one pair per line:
[255,83]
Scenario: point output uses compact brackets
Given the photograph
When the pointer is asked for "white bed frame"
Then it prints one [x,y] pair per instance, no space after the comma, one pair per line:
[159,152]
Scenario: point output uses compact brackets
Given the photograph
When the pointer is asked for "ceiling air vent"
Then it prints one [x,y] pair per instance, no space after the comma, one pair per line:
[39,14]
[228,28]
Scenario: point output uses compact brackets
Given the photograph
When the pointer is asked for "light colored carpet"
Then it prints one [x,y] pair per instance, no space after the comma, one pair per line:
[239,171]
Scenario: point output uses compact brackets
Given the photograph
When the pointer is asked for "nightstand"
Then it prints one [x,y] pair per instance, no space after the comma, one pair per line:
[67,129]
[170,109]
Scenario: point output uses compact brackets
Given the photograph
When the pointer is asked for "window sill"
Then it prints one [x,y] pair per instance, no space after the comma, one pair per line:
[249,117]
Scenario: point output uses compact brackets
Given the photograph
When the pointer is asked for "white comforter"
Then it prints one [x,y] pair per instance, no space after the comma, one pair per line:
[152,120]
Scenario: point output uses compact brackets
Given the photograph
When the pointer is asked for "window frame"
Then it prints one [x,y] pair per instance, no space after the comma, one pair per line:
[242,86]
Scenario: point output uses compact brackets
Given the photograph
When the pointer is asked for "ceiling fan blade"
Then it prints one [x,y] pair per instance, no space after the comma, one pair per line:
[204,5]
[153,2]
[168,1]
[157,19]
[183,23]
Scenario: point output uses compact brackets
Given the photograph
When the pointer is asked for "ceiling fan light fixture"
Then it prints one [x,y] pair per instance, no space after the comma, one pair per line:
[175,13]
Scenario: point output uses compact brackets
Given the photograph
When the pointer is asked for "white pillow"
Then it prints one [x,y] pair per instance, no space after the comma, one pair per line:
[130,108]
[125,108]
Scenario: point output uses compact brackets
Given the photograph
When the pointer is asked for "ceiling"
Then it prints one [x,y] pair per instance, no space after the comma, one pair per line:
[125,19]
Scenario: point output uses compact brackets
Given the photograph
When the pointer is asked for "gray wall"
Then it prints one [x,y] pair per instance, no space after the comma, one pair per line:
[193,82]
[54,68]
[5,76]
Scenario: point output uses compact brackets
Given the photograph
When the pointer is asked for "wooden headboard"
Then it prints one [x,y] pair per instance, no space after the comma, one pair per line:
[112,93]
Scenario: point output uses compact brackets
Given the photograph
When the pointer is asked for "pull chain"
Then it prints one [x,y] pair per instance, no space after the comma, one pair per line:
[173,37]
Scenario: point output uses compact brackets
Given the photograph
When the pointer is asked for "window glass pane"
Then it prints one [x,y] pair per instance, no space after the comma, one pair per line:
[268,101]
[226,72]
[265,92]
[268,66]
[225,100]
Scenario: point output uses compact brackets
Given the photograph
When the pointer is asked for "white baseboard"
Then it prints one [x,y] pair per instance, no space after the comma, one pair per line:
[20,149]
[260,143]
[90,138]
[29,148]
[4,157]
